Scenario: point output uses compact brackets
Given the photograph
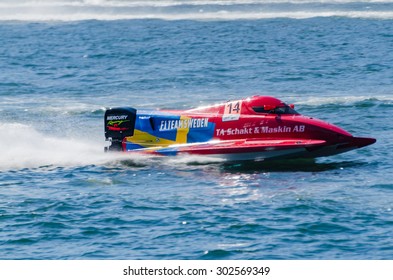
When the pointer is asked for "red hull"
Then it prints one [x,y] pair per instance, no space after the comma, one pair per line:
[255,128]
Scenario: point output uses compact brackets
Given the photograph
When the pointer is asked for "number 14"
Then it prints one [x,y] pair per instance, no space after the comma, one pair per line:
[233,108]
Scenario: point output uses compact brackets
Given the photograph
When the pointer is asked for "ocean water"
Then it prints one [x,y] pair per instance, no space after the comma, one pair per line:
[62,62]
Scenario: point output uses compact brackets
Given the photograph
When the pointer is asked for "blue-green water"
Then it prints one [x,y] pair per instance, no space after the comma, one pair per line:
[61,197]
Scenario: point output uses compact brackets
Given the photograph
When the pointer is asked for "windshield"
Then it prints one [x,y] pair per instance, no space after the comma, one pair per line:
[282,110]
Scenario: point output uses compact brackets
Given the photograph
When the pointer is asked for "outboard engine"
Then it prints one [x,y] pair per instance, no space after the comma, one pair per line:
[119,123]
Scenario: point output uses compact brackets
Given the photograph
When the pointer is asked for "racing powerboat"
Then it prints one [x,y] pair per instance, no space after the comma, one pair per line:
[255,128]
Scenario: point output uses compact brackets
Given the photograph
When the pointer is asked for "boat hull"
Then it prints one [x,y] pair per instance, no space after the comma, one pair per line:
[256,151]
[256,128]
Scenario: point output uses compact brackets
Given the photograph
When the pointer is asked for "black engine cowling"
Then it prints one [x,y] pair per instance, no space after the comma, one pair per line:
[119,123]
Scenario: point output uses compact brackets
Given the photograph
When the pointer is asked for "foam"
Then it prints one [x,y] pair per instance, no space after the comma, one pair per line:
[22,146]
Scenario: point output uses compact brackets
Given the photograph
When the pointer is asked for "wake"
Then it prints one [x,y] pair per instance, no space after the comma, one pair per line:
[22,146]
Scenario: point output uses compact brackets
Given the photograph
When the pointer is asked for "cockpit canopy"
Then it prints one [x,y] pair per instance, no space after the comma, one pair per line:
[281,110]
[270,105]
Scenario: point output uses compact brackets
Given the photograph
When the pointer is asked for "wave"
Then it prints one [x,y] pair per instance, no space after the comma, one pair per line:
[344,100]
[77,10]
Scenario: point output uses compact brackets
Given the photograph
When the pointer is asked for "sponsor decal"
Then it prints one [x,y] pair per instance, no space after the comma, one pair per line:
[116,118]
[167,125]
[116,123]
[260,130]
